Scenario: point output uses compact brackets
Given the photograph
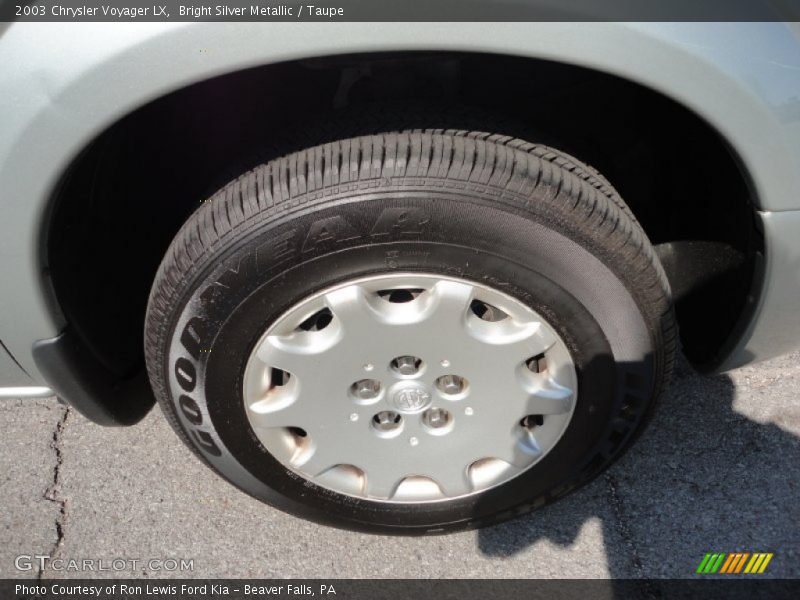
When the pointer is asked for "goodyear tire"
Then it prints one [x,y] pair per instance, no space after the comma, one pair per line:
[494,217]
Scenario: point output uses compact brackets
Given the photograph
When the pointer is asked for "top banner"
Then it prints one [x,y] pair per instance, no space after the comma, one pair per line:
[398,10]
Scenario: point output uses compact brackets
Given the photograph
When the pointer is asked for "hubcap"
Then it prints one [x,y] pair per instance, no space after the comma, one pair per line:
[409,388]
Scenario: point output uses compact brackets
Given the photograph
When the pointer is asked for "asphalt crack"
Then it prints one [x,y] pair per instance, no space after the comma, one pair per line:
[621,524]
[53,491]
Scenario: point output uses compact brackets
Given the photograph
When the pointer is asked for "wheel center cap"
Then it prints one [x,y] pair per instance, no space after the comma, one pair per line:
[410,397]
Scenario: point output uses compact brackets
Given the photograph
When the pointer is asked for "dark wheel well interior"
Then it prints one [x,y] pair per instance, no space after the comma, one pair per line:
[125,197]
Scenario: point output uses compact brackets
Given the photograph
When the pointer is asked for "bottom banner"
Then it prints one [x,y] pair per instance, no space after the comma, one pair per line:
[377,589]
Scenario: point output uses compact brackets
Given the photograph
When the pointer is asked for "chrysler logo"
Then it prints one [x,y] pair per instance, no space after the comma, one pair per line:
[412,398]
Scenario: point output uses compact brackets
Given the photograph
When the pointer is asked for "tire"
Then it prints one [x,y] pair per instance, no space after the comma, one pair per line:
[511,217]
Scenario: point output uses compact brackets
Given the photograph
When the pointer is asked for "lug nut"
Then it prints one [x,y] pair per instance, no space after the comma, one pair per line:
[436,419]
[406,365]
[451,384]
[366,389]
[386,420]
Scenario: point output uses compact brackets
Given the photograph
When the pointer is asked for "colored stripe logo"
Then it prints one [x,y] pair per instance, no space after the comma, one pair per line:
[731,563]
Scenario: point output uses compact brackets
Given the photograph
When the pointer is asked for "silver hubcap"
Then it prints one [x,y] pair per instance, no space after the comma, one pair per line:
[409,388]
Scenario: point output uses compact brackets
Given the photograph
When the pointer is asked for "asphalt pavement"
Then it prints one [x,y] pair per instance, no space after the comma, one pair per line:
[716,471]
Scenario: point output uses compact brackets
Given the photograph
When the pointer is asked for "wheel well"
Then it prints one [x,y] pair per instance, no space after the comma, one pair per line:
[127,194]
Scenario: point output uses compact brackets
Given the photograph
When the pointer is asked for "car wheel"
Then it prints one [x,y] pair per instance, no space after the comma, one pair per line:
[413,332]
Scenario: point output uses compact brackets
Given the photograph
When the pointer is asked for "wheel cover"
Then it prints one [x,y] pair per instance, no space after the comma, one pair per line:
[409,388]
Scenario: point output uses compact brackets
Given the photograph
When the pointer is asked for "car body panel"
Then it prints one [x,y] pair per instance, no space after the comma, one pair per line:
[63,85]
[11,374]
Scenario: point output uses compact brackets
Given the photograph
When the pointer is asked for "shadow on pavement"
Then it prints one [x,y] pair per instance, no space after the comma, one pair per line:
[702,478]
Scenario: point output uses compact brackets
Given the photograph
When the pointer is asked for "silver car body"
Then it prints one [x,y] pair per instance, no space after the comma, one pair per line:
[63,84]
